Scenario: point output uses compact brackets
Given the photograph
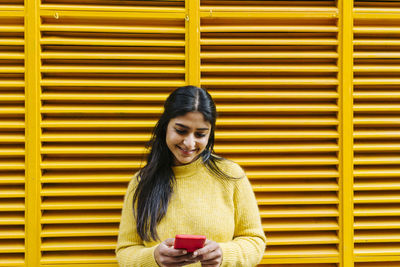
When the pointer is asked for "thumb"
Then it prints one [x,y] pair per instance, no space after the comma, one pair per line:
[169,241]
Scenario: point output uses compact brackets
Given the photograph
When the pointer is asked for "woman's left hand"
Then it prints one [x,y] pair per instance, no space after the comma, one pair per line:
[210,255]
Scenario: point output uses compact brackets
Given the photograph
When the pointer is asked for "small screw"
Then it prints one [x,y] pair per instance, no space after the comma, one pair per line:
[187,17]
[56,16]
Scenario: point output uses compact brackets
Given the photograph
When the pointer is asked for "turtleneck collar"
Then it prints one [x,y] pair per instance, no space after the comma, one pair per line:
[187,169]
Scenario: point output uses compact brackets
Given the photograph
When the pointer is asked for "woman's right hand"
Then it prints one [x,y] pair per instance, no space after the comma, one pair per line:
[167,256]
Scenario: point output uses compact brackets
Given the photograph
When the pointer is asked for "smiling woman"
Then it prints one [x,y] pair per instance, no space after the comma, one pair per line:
[186,189]
[187,137]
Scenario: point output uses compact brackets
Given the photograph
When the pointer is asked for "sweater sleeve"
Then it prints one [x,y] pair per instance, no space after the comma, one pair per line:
[130,249]
[248,244]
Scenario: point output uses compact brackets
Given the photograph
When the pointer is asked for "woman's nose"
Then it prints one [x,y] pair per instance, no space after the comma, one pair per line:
[189,141]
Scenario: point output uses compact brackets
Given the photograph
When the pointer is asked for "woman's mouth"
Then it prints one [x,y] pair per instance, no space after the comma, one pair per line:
[185,151]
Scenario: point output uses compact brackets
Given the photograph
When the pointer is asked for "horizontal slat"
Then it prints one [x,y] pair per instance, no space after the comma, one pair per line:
[299,211]
[280,173]
[12,55]
[302,251]
[12,41]
[12,204]
[79,257]
[375,68]
[302,238]
[108,69]
[80,177]
[12,218]
[114,55]
[287,160]
[269,81]
[267,54]
[290,198]
[12,177]
[376,172]
[110,28]
[119,82]
[258,7]
[84,190]
[263,12]
[70,244]
[84,163]
[267,68]
[377,133]
[377,159]
[376,236]
[376,29]
[76,10]
[12,246]
[376,81]
[377,120]
[376,184]
[377,249]
[377,223]
[299,224]
[376,54]
[388,42]
[12,232]
[11,151]
[296,185]
[11,109]
[12,164]
[80,217]
[377,210]
[386,107]
[265,28]
[101,42]
[83,230]
[12,69]
[377,197]
[12,191]
[268,41]
[12,123]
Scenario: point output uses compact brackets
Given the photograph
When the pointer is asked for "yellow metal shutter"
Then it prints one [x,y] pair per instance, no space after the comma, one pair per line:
[105,76]
[377,133]
[12,137]
[272,68]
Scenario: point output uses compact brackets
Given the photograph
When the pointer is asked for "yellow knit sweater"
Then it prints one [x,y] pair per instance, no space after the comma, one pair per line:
[224,210]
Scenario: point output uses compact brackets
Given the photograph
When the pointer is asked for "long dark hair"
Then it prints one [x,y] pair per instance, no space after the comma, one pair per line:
[156,179]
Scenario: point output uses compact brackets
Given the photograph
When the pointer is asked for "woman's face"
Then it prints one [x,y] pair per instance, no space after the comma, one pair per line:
[187,137]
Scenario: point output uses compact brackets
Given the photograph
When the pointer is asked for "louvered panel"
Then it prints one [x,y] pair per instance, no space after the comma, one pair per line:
[283,65]
[105,76]
[12,134]
[377,132]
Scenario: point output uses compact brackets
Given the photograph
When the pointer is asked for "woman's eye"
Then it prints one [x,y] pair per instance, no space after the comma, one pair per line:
[200,135]
[180,131]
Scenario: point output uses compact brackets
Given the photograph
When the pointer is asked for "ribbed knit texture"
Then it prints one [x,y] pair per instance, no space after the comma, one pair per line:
[224,210]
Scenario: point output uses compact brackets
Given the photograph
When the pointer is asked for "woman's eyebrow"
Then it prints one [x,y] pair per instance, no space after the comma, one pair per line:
[186,127]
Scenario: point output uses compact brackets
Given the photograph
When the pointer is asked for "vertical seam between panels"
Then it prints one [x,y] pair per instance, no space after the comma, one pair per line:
[32,133]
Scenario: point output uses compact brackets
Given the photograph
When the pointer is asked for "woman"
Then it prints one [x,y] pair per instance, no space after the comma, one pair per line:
[186,189]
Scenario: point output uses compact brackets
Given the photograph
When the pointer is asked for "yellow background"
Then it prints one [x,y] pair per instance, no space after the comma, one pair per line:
[82,82]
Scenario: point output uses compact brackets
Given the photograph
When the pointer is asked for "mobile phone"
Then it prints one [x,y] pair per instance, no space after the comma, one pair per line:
[189,242]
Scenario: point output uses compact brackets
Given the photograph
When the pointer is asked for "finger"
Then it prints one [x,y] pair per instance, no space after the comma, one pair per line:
[211,257]
[209,246]
[171,252]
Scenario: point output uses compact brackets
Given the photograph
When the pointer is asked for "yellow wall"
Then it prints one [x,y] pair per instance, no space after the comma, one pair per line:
[82,82]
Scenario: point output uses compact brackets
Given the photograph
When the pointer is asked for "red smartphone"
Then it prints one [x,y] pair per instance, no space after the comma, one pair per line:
[189,242]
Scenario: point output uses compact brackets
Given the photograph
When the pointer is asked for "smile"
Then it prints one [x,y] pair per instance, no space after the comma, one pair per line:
[186,152]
